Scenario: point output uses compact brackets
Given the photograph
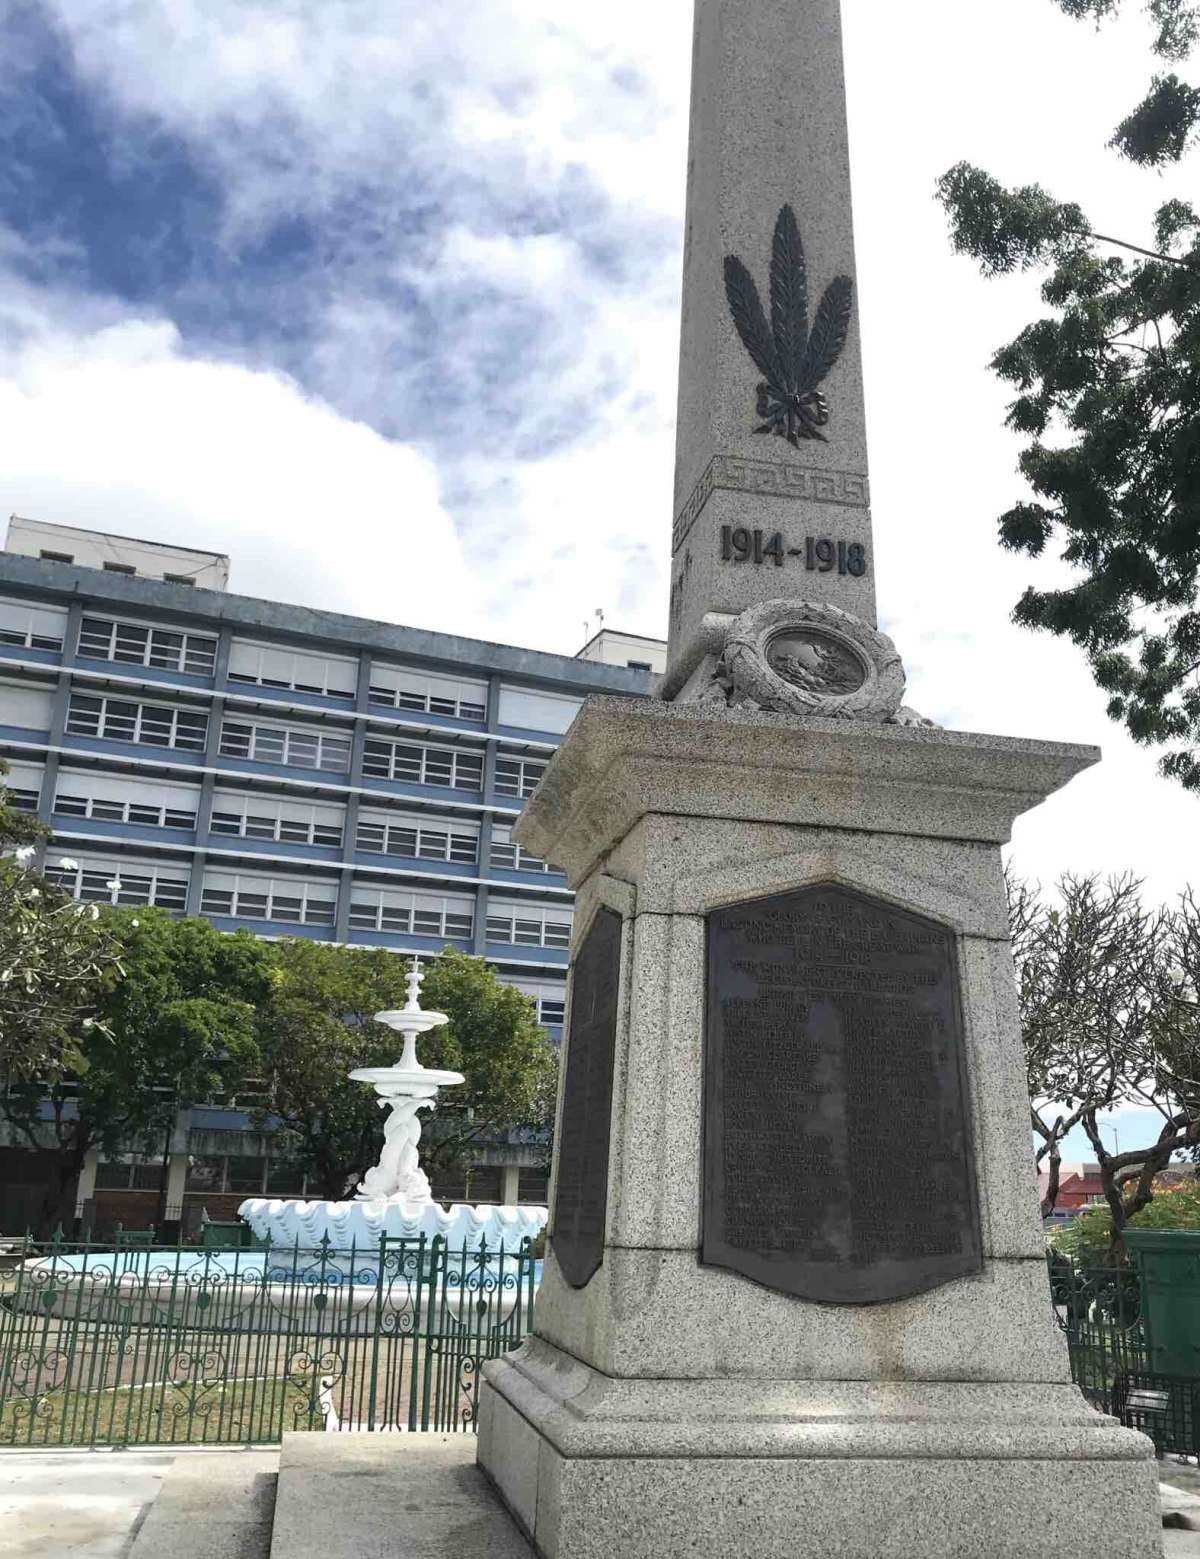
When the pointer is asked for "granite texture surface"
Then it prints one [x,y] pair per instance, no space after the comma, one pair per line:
[658,1105]
[602,892]
[814,1509]
[657,1131]
[932,1468]
[768,129]
[622,760]
[690,865]
[584,1413]
[661,1314]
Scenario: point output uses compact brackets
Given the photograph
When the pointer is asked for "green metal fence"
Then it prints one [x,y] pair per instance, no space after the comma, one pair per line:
[136,1346]
[1098,1307]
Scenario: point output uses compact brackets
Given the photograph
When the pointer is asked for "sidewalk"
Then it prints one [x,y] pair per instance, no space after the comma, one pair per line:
[81,1504]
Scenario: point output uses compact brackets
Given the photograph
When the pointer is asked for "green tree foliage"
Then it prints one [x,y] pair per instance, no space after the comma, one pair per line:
[1107,398]
[16,829]
[1108,1022]
[175,1023]
[52,956]
[1175,1206]
[319,1026]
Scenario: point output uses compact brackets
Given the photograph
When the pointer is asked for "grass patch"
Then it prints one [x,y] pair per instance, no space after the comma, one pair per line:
[233,1413]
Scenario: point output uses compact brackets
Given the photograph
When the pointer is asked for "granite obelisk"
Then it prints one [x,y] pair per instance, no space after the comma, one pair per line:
[768,135]
[795,1299]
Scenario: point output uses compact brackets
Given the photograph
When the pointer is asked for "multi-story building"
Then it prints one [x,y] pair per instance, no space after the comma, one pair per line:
[292,771]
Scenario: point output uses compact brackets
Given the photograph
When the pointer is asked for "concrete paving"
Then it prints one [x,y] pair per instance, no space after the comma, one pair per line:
[389,1496]
[76,1504]
[1180,1488]
[212,1505]
[403,1496]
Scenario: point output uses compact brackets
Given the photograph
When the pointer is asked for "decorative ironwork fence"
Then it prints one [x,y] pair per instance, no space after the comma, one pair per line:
[136,1346]
[1098,1307]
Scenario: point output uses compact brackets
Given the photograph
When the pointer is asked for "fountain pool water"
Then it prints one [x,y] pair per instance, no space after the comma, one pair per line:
[394,1198]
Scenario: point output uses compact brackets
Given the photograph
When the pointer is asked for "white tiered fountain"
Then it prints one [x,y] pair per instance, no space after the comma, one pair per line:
[394,1198]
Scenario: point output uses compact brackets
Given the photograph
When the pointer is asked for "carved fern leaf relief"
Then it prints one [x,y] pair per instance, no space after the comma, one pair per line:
[793,360]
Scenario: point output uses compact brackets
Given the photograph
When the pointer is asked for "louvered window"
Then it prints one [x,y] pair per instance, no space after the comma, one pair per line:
[117,798]
[277,818]
[292,746]
[288,899]
[32,627]
[427,693]
[300,671]
[124,883]
[122,720]
[529,925]
[518,776]
[22,786]
[455,768]
[417,914]
[141,644]
[384,833]
[550,1001]
[512,856]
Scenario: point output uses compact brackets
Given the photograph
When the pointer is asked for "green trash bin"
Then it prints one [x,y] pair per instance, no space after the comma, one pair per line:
[1168,1268]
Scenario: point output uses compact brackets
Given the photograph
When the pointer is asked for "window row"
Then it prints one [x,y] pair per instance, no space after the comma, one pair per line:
[277,818]
[123,884]
[153,725]
[383,833]
[456,768]
[115,798]
[140,644]
[269,898]
[289,745]
[549,1000]
[256,664]
[418,914]
[428,693]
[529,925]
[250,896]
[512,856]
[32,627]
[22,786]
[244,1175]
[183,729]
[119,798]
[265,665]
[518,776]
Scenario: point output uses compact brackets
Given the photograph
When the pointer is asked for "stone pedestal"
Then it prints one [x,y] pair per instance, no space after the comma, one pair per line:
[668,1406]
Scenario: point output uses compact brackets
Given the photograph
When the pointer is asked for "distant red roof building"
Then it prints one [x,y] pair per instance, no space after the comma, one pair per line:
[1078,1186]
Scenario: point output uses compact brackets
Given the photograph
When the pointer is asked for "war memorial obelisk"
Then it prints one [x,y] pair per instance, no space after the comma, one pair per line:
[795,1299]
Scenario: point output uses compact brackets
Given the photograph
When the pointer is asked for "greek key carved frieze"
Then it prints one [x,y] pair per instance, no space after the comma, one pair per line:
[771,479]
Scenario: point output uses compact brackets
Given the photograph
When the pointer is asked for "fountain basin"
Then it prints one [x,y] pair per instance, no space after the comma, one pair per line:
[364,1223]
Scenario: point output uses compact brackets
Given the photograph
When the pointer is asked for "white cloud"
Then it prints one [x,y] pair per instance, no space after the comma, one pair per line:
[119,430]
[539,151]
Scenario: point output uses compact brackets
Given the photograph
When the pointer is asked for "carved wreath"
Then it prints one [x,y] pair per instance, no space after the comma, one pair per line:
[747,678]
[794,361]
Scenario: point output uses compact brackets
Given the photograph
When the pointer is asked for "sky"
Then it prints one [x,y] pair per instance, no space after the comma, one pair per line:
[381,297]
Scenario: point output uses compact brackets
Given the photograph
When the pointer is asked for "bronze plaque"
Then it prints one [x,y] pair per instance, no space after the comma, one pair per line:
[837,1154]
[581,1195]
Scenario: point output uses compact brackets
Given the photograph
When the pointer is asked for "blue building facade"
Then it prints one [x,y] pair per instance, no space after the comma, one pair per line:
[291,771]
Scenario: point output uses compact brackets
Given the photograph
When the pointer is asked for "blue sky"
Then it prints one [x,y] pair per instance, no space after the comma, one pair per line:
[381,297]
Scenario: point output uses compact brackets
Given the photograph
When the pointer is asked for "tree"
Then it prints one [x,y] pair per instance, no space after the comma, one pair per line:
[52,957]
[1108,400]
[1104,1027]
[1176,1205]
[319,1026]
[175,1023]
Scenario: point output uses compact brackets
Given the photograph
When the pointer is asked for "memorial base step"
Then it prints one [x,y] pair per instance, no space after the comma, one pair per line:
[593,1466]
